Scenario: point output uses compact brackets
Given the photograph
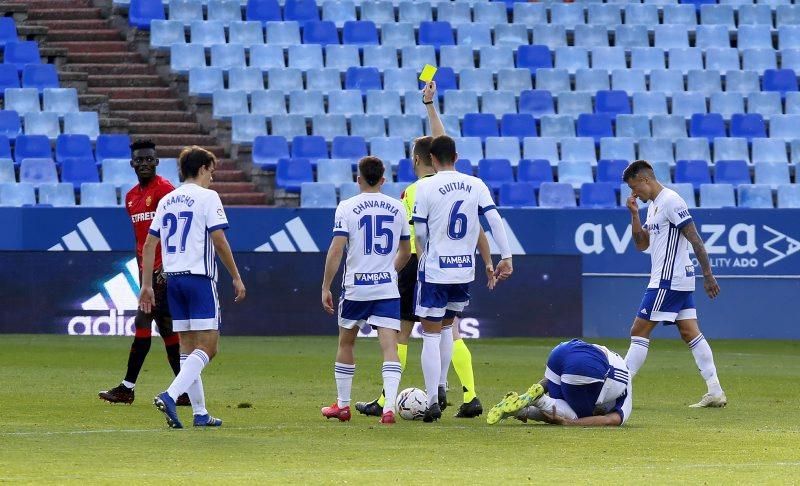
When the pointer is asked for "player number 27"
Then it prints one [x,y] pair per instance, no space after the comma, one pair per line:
[374,230]
[170,224]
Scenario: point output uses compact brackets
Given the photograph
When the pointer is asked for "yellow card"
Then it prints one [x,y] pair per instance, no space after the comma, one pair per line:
[428,72]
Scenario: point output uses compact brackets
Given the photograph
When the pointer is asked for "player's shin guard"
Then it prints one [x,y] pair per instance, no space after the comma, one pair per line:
[431,364]
[172,344]
[196,393]
[637,353]
[139,350]
[344,382]
[446,353]
[391,372]
[462,363]
[190,371]
[705,363]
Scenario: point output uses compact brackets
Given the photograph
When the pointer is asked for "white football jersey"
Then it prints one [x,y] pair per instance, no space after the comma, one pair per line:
[374,224]
[184,221]
[450,203]
[671,265]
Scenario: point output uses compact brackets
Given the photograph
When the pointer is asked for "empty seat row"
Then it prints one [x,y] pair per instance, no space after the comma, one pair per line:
[92,194]
[67,146]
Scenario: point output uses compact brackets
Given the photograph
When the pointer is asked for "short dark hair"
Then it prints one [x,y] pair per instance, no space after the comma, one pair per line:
[422,149]
[371,169]
[635,167]
[142,143]
[444,149]
[192,158]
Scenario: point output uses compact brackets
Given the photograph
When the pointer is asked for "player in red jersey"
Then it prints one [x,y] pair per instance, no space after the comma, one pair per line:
[141,202]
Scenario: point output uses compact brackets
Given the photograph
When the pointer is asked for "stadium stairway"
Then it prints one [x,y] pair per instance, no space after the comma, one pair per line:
[130,96]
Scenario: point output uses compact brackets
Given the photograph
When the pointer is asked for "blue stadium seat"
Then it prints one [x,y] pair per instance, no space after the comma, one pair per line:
[473,35]
[759,59]
[469,148]
[556,195]
[789,196]
[495,172]
[268,149]
[558,126]
[578,150]
[635,126]
[536,103]
[529,13]
[476,80]
[499,103]
[227,56]
[317,195]
[772,173]
[786,14]
[671,35]
[591,36]
[288,126]
[517,194]
[9,77]
[650,103]
[790,58]
[535,172]
[8,31]
[335,171]
[380,12]
[755,196]
[574,103]
[781,80]
[74,147]
[42,124]
[142,12]
[436,34]
[631,36]
[362,78]
[610,170]
[575,173]
[553,80]
[117,172]
[688,104]
[637,14]
[507,148]
[305,56]
[38,171]
[552,36]
[733,148]
[460,102]
[704,82]
[769,150]
[348,102]
[384,103]
[226,11]
[722,59]
[321,32]
[596,126]
[512,80]
[164,33]
[405,126]
[341,57]
[248,34]
[612,103]
[309,147]
[784,126]
[748,126]
[608,14]
[717,196]
[245,128]
[628,80]
[284,79]
[695,172]
[185,11]
[392,189]
[490,13]
[388,149]
[734,172]
[346,191]
[591,80]
[184,57]
[228,103]
[268,103]
[541,148]
[348,147]
[510,35]
[17,195]
[291,173]
[301,10]
[665,81]
[598,195]
[788,36]
[571,58]
[685,59]
[22,53]
[263,11]
[754,36]
[445,79]
[728,104]
[608,58]
[328,126]
[618,148]
[112,147]
[324,80]
[396,34]
[534,57]
[61,195]
[457,13]
[368,126]
[7,173]
[755,14]
[414,12]
[381,57]
[245,79]
[22,100]
[207,33]
[692,148]
[98,194]
[405,171]
[647,58]
[684,15]
[10,125]
[283,34]
[707,125]
[480,125]
[741,82]
[203,81]
[518,125]
[656,149]
[266,57]
[496,58]
[568,15]
[669,126]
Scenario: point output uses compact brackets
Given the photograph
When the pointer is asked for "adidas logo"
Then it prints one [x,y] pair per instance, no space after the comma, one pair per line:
[86,238]
[513,242]
[294,238]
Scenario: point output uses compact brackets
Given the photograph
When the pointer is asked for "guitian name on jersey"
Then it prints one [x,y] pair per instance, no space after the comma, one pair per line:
[146,216]
[372,278]
[457,261]
[454,186]
[372,203]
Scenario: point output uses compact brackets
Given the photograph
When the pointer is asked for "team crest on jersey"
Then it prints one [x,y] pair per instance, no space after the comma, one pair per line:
[456,261]
[376,278]
[130,203]
[148,201]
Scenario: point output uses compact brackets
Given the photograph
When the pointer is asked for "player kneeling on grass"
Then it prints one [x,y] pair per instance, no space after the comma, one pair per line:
[374,229]
[584,384]
[190,224]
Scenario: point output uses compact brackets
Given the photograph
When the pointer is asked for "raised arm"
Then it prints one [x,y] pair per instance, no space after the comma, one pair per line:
[428,99]
[641,238]
[332,260]
[689,231]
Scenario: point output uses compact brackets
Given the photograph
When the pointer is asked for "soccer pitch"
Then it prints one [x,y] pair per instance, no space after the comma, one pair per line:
[55,429]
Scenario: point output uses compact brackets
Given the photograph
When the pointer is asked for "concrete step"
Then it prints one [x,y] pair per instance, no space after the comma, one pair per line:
[232,187]
[50,4]
[111,69]
[226,165]
[83,35]
[118,58]
[105,47]
[243,199]
[125,81]
[159,104]
[164,127]
[172,151]
[75,24]
[63,14]
[176,140]
[133,93]
[156,116]
[221,175]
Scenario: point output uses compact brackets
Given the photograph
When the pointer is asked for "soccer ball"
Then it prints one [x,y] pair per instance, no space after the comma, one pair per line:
[412,403]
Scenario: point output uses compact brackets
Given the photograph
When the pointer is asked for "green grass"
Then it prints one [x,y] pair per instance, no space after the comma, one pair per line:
[54,429]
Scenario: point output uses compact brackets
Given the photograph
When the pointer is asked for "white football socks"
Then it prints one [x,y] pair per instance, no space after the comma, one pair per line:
[196,393]
[431,364]
[344,382]
[128,385]
[190,371]
[637,353]
[391,372]
[705,362]
[546,404]
[446,353]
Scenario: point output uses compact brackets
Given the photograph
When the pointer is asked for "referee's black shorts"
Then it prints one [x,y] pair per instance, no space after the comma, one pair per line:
[407,283]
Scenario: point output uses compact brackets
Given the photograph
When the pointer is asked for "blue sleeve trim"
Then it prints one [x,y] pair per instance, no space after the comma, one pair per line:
[341,233]
[417,219]
[405,237]
[155,233]
[486,209]
[684,223]
[222,226]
